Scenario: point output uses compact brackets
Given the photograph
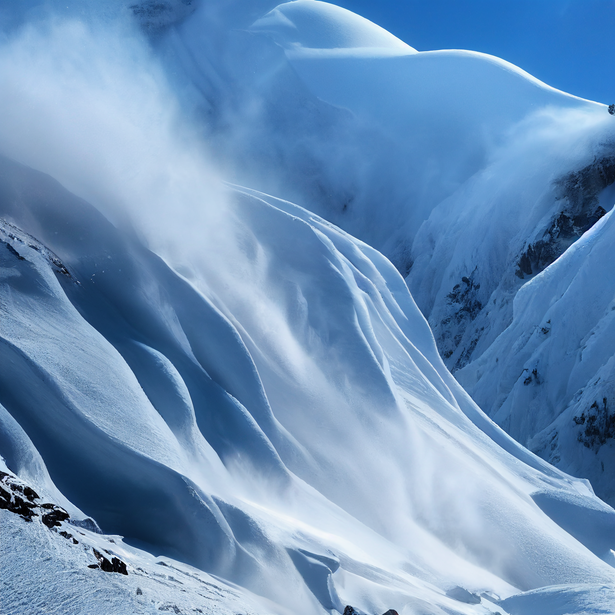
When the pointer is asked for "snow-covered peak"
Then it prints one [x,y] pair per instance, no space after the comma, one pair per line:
[231,379]
[319,25]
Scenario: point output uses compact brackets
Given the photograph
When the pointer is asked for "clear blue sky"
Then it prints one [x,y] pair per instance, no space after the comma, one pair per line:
[569,44]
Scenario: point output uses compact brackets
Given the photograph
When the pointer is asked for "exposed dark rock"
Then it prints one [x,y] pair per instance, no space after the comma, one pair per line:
[391,612]
[169,607]
[115,565]
[598,425]
[466,355]
[22,507]
[531,377]
[16,497]
[463,306]
[350,610]
[578,194]
[55,516]
[155,15]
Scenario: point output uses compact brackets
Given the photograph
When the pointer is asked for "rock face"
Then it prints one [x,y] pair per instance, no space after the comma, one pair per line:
[598,425]
[154,15]
[54,516]
[463,306]
[19,498]
[478,305]
[578,210]
[115,565]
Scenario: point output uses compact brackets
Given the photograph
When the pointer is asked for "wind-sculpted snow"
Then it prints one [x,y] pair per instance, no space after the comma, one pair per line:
[224,378]
[479,178]
[302,408]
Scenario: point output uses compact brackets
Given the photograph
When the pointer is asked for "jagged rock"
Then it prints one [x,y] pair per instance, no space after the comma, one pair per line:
[580,210]
[391,612]
[349,610]
[115,565]
[598,425]
[155,15]
[462,307]
[11,499]
[55,516]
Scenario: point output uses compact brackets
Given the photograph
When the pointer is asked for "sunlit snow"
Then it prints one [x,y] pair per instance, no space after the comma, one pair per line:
[243,396]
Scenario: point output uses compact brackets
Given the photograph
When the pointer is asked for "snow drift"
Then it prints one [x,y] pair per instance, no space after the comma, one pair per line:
[225,378]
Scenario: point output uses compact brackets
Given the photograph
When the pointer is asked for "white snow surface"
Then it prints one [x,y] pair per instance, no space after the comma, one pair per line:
[310,24]
[228,380]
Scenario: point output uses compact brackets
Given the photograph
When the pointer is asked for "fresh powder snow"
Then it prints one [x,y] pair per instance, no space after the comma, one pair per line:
[218,400]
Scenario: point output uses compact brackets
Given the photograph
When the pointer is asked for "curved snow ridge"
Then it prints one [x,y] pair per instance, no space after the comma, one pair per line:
[301,388]
[430,121]
[311,24]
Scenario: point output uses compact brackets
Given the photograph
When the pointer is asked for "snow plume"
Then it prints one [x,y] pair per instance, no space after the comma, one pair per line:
[87,103]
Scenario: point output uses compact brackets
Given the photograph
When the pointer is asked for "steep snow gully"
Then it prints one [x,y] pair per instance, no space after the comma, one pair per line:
[215,400]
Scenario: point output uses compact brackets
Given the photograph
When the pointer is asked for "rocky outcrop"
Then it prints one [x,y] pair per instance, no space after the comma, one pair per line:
[462,307]
[577,197]
[154,15]
[13,237]
[474,303]
[597,425]
[19,498]
[113,565]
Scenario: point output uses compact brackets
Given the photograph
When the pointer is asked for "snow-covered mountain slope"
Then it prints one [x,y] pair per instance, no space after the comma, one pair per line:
[479,177]
[229,380]
[468,173]
[548,379]
[252,428]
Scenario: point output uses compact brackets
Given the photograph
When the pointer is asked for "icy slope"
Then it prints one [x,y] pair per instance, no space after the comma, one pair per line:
[457,165]
[225,378]
[293,407]
[489,177]
[548,378]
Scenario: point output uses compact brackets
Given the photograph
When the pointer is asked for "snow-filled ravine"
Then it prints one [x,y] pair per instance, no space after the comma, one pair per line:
[216,400]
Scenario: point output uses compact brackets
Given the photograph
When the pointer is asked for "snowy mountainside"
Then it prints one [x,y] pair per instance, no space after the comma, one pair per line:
[479,176]
[221,376]
[207,429]
[548,378]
